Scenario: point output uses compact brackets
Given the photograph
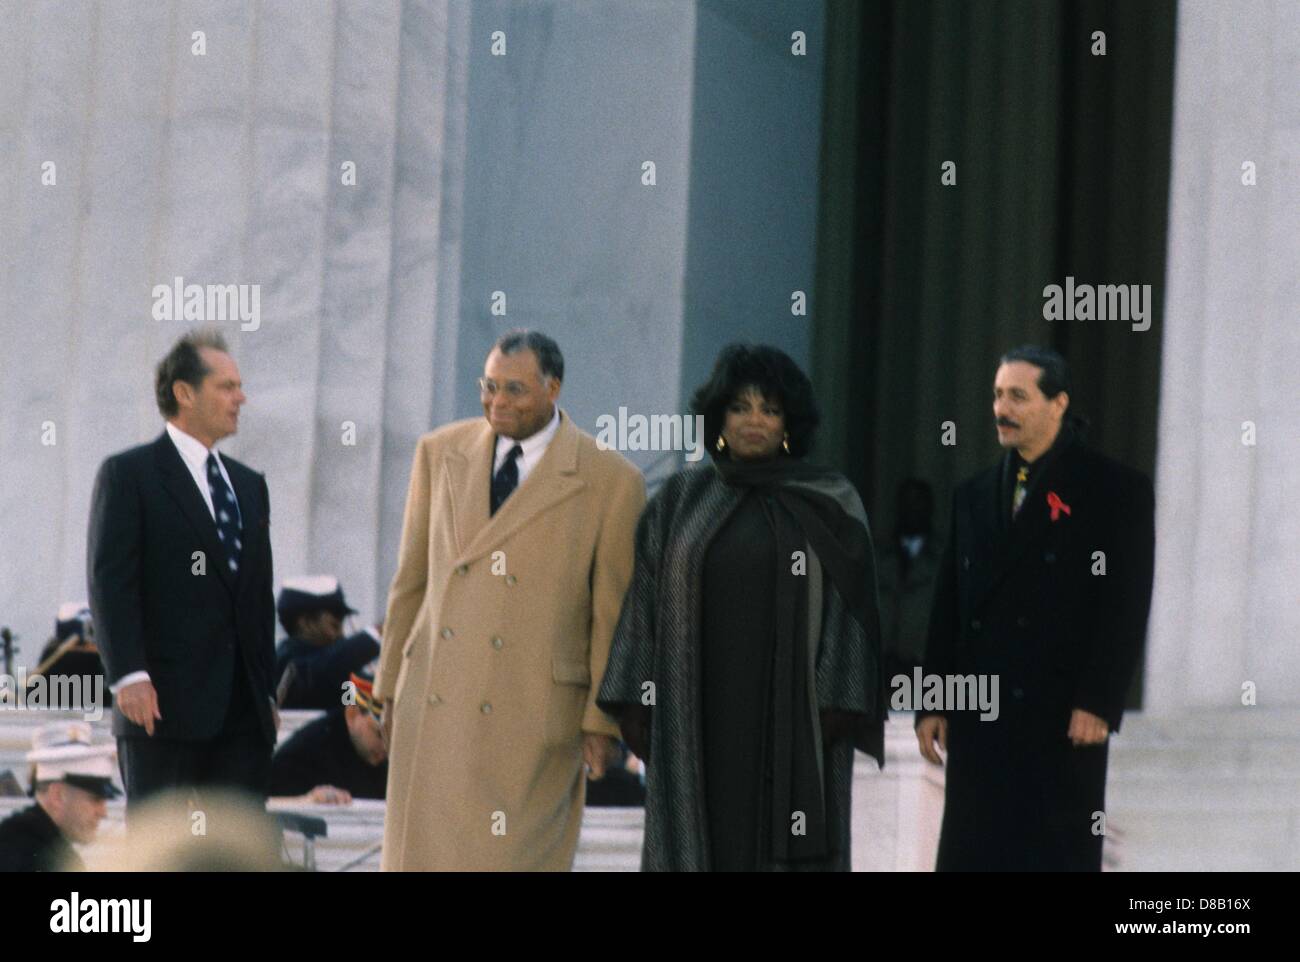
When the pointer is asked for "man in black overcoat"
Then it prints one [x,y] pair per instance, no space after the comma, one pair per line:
[1046,584]
[180,587]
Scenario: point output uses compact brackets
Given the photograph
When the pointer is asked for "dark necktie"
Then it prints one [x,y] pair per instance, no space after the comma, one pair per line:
[506,479]
[225,511]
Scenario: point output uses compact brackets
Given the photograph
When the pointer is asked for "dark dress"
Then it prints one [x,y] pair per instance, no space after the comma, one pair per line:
[322,753]
[31,842]
[736,654]
[712,610]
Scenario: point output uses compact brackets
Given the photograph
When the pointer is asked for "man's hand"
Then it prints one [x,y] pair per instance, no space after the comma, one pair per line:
[329,795]
[138,701]
[597,752]
[928,730]
[1087,728]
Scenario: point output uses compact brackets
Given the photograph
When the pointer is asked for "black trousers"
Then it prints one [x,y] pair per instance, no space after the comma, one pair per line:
[237,759]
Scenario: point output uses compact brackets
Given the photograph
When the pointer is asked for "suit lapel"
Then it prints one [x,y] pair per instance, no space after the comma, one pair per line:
[179,484]
[552,480]
[1033,523]
[469,477]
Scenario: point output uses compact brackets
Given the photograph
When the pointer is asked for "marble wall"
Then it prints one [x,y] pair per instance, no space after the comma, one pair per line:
[474,173]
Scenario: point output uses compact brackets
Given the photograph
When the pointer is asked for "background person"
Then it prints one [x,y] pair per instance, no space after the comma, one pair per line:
[314,661]
[72,782]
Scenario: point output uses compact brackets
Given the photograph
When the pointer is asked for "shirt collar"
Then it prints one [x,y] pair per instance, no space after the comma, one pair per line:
[535,444]
[191,448]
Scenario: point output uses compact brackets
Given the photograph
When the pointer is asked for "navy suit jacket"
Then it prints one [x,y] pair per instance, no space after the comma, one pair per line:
[160,606]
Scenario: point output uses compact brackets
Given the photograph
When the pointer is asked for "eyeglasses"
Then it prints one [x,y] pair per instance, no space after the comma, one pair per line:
[514,390]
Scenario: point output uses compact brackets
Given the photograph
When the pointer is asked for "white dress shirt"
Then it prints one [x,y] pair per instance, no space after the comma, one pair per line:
[195,455]
[533,448]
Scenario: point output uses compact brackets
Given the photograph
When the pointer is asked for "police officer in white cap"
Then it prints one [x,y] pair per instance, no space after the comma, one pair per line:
[314,661]
[71,654]
[72,782]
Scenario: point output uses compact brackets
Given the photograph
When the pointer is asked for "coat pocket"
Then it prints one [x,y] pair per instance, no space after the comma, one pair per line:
[570,672]
[566,701]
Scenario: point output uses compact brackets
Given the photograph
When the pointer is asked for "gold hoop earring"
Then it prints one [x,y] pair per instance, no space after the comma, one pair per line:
[722,443]
[786,443]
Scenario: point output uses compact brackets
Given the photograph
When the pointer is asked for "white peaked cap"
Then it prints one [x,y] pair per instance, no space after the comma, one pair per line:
[312,584]
[71,610]
[68,748]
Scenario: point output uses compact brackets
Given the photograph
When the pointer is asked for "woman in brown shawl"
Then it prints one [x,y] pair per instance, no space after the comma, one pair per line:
[746,666]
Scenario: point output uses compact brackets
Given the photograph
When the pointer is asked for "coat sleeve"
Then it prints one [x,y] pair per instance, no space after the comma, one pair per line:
[850,666]
[1122,604]
[113,559]
[631,659]
[291,769]
[941,641]
[267,592]
[411,581]
[611,574]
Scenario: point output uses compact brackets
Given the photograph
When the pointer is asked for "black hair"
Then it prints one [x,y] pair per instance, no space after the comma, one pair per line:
[549,358]
[1053,373]
[776,376]
[1053,378]
[184,362]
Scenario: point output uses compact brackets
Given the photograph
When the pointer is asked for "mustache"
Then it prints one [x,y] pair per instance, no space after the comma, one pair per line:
[1006,423]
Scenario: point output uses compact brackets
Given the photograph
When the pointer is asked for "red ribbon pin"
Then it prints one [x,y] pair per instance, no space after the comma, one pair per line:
[1056,504]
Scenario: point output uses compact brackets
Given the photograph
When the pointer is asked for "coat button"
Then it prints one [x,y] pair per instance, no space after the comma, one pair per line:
[975,624]
[434,700]
[497,643]
[510,579]
[447,632]
[462,569]
[1022,621]
[965,562]
[485,708]
[1050,557]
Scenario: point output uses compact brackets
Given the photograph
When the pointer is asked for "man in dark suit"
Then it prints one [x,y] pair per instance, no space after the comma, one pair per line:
[180,585]
[1045,584]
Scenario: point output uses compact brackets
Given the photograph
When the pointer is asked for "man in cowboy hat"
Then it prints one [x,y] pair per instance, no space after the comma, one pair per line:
[72,782]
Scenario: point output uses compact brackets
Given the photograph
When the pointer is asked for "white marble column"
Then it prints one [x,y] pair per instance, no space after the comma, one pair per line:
[220,160]
[1201,780]
[1227,599]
